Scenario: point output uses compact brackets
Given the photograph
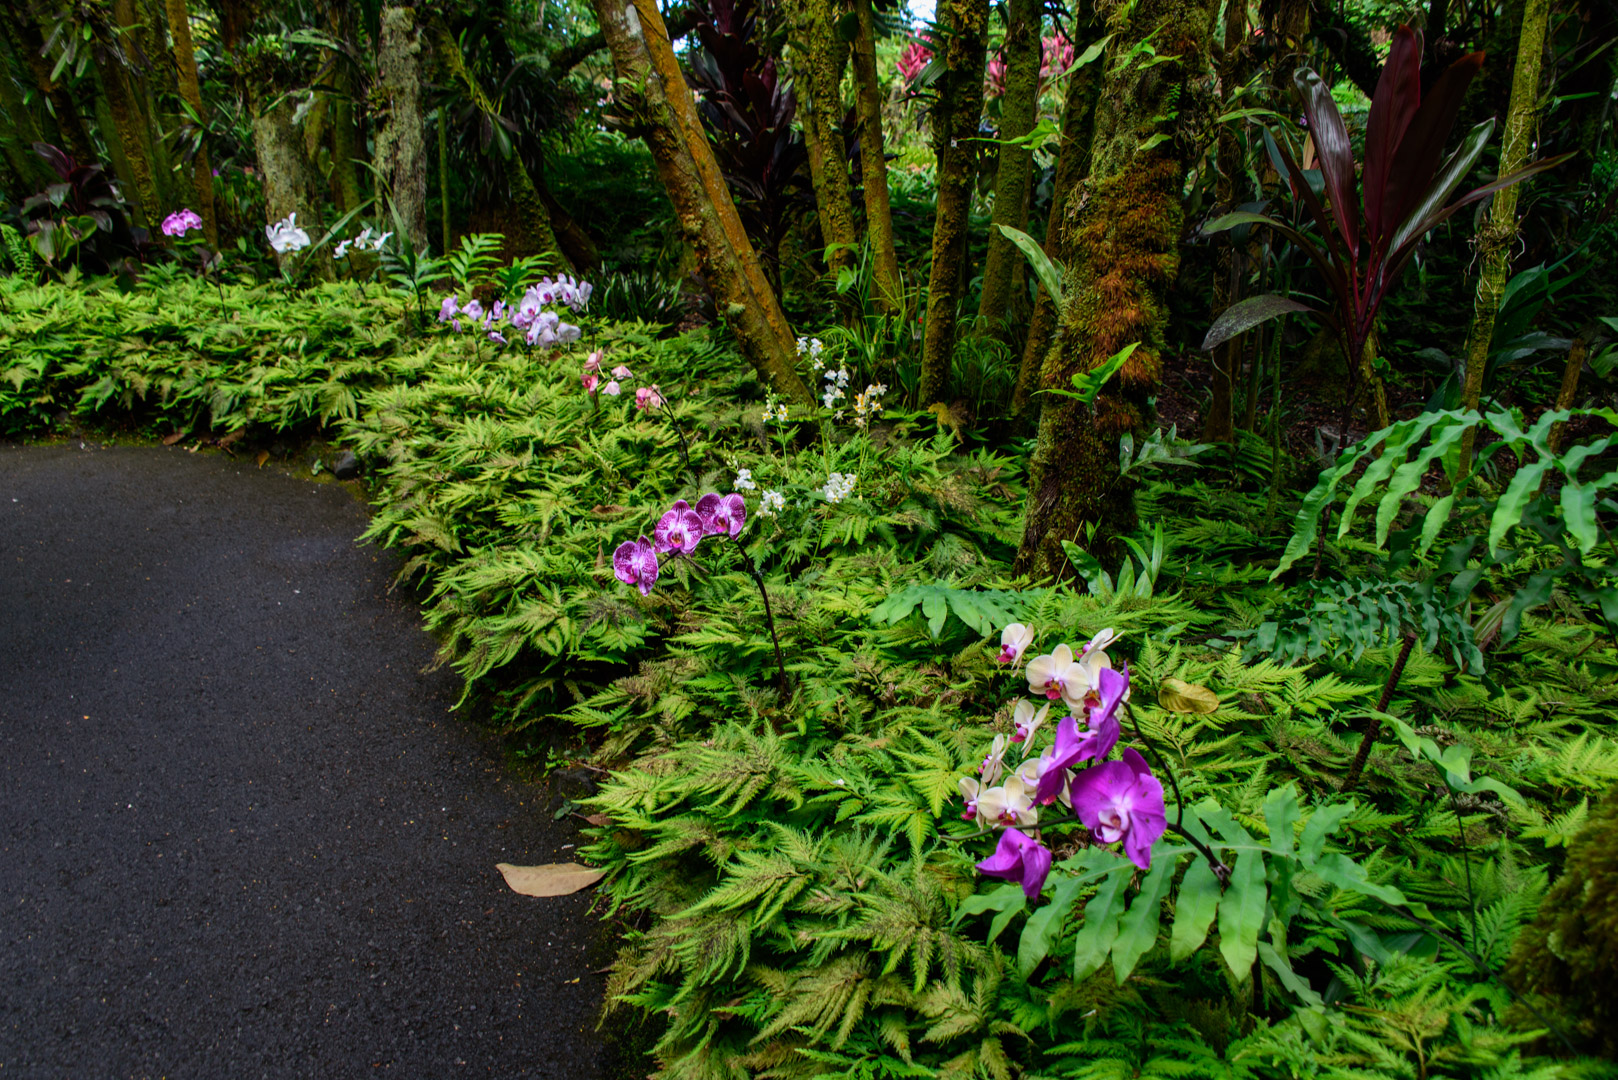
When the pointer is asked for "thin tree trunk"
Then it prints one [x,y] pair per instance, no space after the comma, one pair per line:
[955,127]
[821,57]
[1498,234]
[1017,108]
[1072,166]
[443,173]
[1219,427]
[1569,393]
[874,163]
[185,68]
[1125,227]
[127,129]
[401,144]
[533,219]
[651,87]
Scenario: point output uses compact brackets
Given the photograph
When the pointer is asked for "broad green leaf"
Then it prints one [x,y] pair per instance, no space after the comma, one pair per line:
[1407,478]
[1241,913]
[1519,493]
[1281,814]
[1346,874]
[1400,438]
[1194,907]
[1043,925]
[1290,979]
[1047,272]
[1094,939]
[1579,514]
[1437,515]
[1137,931]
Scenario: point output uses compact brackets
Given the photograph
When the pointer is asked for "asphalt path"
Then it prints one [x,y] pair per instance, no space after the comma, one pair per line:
[241,835]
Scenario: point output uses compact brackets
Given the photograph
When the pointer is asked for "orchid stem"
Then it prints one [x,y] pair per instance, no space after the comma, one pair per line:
[769,617]
[685,455]
[1221,871]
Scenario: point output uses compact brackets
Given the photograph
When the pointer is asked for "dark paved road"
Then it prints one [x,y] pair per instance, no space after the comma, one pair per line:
[240,835]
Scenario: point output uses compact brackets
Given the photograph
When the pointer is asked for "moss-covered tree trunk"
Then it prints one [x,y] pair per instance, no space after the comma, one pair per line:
[1017,108]
[290,185]
[185,69]
[820,56]
[400,154]
[532,217]
[873,162]
[1219,425]
[653,91]
[955,129]
[1124,224]
[1072,166]
[25,37]
[18,133]
[1499,232]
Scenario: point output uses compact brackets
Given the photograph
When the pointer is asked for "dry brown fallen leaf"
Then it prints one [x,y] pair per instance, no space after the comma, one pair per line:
[598,820]
[170,440]
[552,879]
[263,456]
[1177,695]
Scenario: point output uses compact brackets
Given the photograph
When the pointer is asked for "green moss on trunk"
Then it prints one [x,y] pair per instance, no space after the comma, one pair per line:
[1124,224]
[819,56]
[401,140]
[873,164]
[1017,108]
[955,126]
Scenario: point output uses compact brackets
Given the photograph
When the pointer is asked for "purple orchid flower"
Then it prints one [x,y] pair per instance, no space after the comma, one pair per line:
[473,310]
[497,337]
[679,529]
[1019,857]
[181,222]
[722,515]
[635,563]
[449,309]
[1092,743]
[1122,800]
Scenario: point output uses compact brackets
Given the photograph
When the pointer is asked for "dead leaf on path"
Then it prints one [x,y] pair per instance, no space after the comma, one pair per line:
[600,821]
[263,456]
[1177,695]
[552,879]
[170,440]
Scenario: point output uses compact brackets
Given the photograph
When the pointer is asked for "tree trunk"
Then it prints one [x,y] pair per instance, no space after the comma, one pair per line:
[874,163]
[821,57]
[18,133]
[535,236]
[401,142]
[1124,225]
[1578,349]
[185,68]
[652,89]
[26,39]
[1219,426]
[955,127]
[128,126]
[1072,166]
[1017,108]
[289,183]
[1499,232]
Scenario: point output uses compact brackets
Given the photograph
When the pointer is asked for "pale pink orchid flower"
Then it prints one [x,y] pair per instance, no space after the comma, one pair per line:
[1059,677]
[1014,641]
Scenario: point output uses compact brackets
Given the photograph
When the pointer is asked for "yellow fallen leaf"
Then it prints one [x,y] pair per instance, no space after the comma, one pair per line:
[1177,695]
[552,879]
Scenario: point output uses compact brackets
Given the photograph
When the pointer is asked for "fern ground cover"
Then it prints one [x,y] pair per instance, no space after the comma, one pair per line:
[790,871]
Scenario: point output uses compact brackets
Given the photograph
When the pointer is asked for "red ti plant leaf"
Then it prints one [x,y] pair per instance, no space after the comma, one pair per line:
[1415,161]
[1336,156]
[1398,96]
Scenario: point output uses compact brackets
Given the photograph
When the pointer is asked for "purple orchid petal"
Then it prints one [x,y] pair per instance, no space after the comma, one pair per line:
[736,512]
[1069,745]
[679,529]
[1019,857]
[708,509]
[635,563]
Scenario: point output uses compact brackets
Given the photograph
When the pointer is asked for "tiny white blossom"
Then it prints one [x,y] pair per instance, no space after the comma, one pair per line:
[744,480]
[771,503]
[839,486]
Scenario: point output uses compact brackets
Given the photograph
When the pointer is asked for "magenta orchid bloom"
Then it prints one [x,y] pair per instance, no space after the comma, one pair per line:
[679,529]
[648,397]
[1019,857]
[635,563]
[593,361]
[1122,800]
[722,515]
[621,372]
[181,222]
[473,311]
[590,379]
[612,389]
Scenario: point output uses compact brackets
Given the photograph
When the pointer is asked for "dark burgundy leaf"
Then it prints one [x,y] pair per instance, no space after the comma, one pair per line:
[1336,156]
[1398,96]
[1416,160]
[59,162]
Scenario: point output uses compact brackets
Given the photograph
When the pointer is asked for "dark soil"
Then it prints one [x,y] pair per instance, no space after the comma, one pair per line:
[241,835]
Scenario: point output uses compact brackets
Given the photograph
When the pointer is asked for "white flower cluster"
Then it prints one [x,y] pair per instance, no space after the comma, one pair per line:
[362,242]
[812,348]
[744,480]
[285,236]
[836,388]
[839,486]
[771,503]
[775,410]
[868,406]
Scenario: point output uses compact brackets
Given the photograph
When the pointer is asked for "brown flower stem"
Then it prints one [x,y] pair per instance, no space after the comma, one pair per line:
[1375,726]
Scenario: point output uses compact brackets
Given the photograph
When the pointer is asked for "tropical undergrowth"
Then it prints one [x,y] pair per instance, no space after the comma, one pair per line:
[785,858]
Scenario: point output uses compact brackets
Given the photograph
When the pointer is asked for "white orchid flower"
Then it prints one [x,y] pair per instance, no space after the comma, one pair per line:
[1011,804]
[994,764]
[376,245]
[969,791]
[1014,641]
[1027,720]
[285,236]
[1057,676]
[341,250]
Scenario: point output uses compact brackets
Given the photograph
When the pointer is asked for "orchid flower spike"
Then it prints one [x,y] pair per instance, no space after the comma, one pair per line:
[722,515]
[679,529]
[1058,677]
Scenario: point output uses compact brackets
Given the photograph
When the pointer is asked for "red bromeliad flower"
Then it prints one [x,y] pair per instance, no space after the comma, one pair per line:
[1368,227]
